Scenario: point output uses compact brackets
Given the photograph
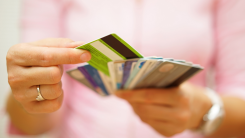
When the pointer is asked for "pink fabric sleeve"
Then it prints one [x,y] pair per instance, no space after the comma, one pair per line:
[39,19]
[230,52]
[12,130]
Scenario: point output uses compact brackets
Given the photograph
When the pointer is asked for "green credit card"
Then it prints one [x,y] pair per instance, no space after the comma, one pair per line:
[109,48]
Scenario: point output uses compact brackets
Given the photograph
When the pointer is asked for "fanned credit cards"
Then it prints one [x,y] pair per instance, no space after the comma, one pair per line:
[109,48]
[116,65]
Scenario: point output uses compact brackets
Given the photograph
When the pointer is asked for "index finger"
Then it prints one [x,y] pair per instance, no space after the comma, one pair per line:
[57,42]
[27,55]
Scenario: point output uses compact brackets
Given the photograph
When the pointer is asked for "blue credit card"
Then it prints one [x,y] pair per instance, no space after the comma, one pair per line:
[119,74]
[137,68]
[127,71]
[91,81]
[93,76]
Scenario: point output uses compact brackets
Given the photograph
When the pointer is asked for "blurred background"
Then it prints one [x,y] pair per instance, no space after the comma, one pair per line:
[9,35]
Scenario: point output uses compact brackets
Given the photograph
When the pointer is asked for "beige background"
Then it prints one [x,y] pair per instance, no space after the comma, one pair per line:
[9,35]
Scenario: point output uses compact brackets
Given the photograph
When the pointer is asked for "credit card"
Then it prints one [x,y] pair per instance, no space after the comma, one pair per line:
[77,75]
[191,72]
[127,70]
[132,67]
[109,48]
[175,74]
[91,81]
[116,73]
[112,75]
[94,75]
[167,74]
[119,73]
[140,63]
[139,71]
[154,64]
[116,69]
[156,75]
[107,82]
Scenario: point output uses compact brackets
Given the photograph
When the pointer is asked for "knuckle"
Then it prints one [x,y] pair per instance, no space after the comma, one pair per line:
[13,79]
[184,117]
[184,100]
[9,56]
[56,90]
[70,58]
[55,106]
[19,97]
[55,75]
[179,130]
[170,134]
[17,79]
[21,46]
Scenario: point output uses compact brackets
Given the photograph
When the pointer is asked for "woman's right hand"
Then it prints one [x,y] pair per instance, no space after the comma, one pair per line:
[40,63]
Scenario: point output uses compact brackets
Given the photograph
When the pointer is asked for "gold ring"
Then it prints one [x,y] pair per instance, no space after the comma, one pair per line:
[39,96]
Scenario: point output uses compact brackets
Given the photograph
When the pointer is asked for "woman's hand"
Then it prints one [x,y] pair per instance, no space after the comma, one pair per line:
[169,111]
[40,63]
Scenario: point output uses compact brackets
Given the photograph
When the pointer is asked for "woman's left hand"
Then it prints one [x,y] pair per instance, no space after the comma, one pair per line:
[169,111]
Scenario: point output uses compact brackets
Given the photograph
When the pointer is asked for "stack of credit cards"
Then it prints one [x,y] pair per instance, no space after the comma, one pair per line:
[116,65]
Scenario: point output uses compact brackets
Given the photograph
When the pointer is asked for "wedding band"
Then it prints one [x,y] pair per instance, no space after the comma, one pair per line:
[39,96]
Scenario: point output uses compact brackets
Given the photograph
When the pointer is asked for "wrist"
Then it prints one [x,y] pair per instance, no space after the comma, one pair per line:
[212,119]
[207,104]
[202,104]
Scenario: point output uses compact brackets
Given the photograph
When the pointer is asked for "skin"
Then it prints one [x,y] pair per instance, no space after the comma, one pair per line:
[172,111]
[168,111]
[39,63]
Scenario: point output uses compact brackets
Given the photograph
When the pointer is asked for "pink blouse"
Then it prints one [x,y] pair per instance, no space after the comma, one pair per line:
[207,32]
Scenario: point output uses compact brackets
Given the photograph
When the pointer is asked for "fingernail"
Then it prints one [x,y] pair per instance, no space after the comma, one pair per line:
[85,57]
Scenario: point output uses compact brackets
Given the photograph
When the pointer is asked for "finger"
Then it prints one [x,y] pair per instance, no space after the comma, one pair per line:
[165,128]
[156,112]
[162,113]
[30,76]
[48,92]
[46,106]
[158,96]
[51,91]
[58,42]
[28,55]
